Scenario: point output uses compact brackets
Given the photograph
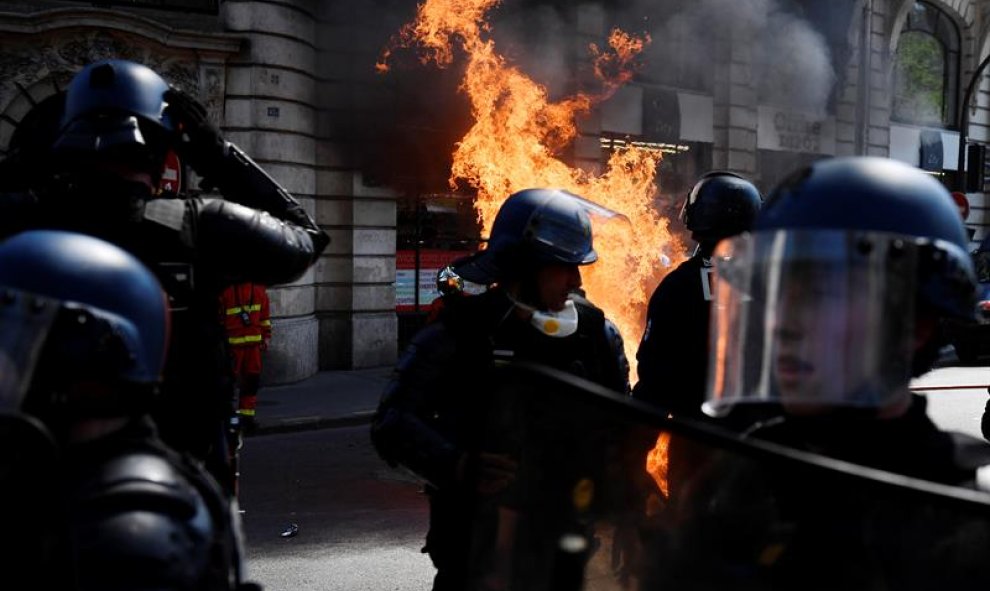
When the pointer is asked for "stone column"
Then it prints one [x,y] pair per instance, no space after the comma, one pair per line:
[355,281]
[270,113]
[877,132]
[735,105]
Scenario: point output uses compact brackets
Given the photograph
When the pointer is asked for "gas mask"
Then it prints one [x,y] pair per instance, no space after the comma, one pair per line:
[559,324]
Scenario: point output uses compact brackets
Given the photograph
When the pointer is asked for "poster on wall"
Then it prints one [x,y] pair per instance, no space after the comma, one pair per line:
[430,262]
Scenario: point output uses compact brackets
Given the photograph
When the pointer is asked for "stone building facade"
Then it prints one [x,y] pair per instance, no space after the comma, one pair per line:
[293,83]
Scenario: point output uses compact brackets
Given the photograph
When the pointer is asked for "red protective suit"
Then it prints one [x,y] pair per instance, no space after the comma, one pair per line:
[248,325]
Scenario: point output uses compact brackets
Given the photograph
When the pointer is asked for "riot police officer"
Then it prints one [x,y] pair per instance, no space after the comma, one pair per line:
[829,308]
[429,415]
[673,353]
[101,175]
[83,335]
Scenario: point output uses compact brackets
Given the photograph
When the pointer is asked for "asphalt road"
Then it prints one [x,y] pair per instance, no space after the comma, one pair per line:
[956,397]
[360,523]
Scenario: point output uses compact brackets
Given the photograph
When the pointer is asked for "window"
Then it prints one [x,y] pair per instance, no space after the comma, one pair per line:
[926,68]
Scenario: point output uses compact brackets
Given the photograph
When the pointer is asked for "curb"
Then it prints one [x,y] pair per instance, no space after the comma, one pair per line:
[313,423]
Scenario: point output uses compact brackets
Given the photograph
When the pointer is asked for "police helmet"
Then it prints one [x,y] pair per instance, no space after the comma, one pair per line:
[879,195]
[77,309]
[534,227]
[818,305]
[116,107]
[721,204]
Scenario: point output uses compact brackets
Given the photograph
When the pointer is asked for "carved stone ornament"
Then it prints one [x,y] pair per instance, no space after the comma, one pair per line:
[50,60]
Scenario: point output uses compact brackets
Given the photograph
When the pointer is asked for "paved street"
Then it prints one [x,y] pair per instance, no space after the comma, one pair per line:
[956,397]
[361,524]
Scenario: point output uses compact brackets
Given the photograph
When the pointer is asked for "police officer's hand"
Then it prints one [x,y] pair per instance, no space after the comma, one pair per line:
[198,141]
[488,473]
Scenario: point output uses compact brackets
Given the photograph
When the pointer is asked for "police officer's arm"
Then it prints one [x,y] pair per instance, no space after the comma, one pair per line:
[405,428]
[236,243]
[234,173]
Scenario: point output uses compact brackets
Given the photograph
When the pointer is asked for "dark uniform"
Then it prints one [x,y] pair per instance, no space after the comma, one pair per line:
[909,444]
[673,353]
[118,113]
[434,412]
[84,326]
[431,410]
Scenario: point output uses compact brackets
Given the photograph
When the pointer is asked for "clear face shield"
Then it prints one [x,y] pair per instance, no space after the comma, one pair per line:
[812,320]
[25,322]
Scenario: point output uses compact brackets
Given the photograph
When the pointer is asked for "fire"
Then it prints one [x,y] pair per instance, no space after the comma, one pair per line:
[515,144]
[658,465]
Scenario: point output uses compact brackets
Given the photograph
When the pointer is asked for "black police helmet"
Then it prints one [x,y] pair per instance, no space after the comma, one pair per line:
[873,194]
[112,318]
[533,227]
[721,204]
[116,106]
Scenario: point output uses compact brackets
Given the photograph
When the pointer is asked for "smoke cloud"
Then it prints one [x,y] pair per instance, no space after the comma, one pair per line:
[792,62]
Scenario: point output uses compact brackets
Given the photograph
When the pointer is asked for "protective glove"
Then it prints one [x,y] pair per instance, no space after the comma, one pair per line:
[198,141]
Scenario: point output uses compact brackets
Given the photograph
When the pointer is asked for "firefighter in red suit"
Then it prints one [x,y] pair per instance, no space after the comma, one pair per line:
[248,325]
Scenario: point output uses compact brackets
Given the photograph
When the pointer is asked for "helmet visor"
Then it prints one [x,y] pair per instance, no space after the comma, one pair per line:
[25,322]
[565,233]
[812,320]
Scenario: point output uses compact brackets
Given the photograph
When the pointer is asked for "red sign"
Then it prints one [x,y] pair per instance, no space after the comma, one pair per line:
[171,181]
[962,203]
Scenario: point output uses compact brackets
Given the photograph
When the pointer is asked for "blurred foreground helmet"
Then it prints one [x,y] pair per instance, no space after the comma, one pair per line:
[116,108]
[816,307]
[77,310]
[536,227]
[721,204]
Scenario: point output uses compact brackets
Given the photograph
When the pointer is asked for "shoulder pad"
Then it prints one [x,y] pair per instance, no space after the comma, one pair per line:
[140,480]
[139,524]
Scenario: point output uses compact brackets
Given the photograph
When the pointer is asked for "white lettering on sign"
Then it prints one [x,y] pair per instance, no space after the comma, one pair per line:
[789,131]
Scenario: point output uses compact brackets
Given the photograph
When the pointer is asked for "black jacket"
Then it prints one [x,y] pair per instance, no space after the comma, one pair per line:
[432,408]
[196,247]
[673,354]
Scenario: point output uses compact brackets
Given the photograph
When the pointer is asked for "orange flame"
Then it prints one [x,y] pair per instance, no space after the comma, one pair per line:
[657,463]
[515,142]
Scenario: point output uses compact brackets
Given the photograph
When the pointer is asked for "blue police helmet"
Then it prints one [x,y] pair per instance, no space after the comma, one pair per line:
[112,320]
[115,104]
[873,194]
[534,227]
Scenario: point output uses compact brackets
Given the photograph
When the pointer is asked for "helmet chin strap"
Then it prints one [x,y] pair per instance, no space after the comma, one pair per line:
[560,324]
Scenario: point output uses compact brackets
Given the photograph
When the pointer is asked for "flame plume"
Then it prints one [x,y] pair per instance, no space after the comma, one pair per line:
[658,464]
[515,142]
